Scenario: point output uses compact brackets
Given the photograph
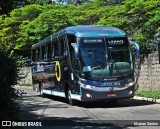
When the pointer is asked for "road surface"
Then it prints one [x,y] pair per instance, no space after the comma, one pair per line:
[54,112]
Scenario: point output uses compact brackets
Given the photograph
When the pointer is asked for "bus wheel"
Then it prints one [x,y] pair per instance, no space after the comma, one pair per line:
[70,100]
[41,89]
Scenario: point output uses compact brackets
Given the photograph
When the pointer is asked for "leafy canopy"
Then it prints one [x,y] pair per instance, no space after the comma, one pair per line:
[32,23]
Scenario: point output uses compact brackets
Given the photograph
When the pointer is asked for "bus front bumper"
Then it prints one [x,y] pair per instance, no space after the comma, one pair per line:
[108,93]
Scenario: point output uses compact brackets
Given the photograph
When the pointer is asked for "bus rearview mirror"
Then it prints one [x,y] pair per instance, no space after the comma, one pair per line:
[75,47]
[28,61]
[137,48]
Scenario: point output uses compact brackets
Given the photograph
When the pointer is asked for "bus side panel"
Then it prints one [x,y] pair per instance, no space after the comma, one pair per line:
[37,76]
[60,75]
[76,86]
[48,76]
[43,75]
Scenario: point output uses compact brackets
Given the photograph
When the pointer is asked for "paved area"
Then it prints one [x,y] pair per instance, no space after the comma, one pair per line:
[54,112]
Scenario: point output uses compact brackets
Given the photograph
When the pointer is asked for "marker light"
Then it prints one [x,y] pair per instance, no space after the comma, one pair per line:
[88,95]
[130,92]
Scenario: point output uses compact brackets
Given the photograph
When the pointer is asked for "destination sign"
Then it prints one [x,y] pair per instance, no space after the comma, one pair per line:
[92,40]
[115,42]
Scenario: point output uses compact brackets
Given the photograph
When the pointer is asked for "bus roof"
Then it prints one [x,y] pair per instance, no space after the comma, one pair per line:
[91,31]
[84,31]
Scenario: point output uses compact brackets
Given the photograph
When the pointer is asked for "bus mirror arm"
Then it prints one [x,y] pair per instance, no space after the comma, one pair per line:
[28,62]
[137,48]
[75,47]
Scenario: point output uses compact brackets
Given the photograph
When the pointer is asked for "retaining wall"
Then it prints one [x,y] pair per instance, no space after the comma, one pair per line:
[149,78]
[26,73]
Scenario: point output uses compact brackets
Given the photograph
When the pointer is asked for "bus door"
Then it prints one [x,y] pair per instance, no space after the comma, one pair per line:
[74,67]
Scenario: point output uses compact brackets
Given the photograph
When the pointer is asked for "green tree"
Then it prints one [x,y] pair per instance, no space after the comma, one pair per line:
[6,6]
[30,24]
[46,24]
[143,21]
[9,27]
[9,77]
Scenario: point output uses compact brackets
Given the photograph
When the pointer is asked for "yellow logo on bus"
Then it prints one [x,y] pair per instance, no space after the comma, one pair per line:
[58,71]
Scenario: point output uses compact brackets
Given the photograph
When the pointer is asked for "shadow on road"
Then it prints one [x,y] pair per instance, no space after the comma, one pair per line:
[98,104]
[119,104]
[71,123]
[30,104]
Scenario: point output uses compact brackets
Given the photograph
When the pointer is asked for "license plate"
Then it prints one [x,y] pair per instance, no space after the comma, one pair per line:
[111,94]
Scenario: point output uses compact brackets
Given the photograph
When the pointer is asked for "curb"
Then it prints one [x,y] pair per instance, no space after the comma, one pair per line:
[147,99]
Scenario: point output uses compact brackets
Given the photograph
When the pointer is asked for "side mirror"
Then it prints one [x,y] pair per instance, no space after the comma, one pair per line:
[137,47]
[76,53]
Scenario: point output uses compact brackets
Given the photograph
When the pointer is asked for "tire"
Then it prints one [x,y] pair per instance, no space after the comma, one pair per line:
[41,89]
[69,99]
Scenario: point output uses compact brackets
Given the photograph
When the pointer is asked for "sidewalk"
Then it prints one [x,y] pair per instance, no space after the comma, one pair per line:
[147,99]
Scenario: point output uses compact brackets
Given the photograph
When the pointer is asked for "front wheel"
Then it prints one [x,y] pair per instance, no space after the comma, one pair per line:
[70,100]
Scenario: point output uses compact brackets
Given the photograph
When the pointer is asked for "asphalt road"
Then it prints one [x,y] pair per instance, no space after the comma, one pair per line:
[54,112]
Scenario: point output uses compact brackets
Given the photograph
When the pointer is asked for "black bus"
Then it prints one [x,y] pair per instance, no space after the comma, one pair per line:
[85,63]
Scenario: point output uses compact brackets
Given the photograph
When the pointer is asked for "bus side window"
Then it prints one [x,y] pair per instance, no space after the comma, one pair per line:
[37,55]
[50,49]
[56,50]
[65,47]
[46,52]
[62,46]
[43,51]
[33,55]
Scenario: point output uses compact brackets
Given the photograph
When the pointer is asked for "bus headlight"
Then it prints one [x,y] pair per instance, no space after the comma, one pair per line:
[86,86]
[130,84]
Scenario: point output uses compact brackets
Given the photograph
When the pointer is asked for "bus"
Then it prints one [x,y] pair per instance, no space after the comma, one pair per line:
[85,63]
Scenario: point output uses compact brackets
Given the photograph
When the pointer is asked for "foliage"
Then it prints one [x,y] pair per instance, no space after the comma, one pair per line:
[143,17]
[41,27]
[149,94]
[8,76]
[7,6]
[32,23]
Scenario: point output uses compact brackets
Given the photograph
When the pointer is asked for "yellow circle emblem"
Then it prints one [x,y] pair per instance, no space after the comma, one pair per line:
[58,71]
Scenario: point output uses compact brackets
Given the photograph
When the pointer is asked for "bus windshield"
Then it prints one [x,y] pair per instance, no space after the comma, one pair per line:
[105,57]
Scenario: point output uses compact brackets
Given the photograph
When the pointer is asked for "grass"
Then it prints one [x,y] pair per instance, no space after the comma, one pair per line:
[25,84]
[149,94]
